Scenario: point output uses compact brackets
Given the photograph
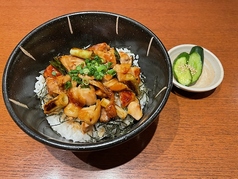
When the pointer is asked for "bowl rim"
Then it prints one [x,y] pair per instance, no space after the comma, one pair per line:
[197,89]
[84,146]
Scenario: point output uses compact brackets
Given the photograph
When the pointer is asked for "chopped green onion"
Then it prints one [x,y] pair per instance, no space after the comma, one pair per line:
[109,65]
[92,67]
[87,61]
[53,73]
[72,72]
[68,85]
[111,72]
[77,79]
[85,81]
[97,59]
[79,67]
[101,68]
[86,71]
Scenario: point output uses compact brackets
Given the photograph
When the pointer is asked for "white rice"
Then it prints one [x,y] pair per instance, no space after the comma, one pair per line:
[40,89]
[71,130]
[67,130]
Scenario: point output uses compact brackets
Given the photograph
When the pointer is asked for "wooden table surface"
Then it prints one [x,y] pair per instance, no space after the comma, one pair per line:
[195,136]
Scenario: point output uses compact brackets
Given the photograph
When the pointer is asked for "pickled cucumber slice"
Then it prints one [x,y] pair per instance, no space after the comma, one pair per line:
[195,62]
[181,72]
[187,67]
[195,65]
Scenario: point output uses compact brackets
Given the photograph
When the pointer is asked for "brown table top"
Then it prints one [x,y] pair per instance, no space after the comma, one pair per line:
[196,135]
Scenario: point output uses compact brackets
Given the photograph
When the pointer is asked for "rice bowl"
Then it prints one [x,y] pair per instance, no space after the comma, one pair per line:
[34,51]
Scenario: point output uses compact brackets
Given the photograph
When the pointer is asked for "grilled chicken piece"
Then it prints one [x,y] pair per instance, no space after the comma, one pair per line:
[71,110]
[126,97]
[115,85]
[99,47]
[134,109]
[110,109]
[129,75]
[104,117]
[55,85]
[105,52]
[90,114]
[122,68]
[82,96]
[86,127]
[119,111]
[56,104]
[70,62]
[88,94]
[50,71]
[125,58]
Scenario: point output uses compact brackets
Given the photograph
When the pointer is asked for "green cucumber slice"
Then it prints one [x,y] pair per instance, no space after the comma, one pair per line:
[195,64]
[199,50]
[181,73]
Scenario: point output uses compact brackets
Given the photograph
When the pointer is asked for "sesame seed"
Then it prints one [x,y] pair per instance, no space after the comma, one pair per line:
[186,66]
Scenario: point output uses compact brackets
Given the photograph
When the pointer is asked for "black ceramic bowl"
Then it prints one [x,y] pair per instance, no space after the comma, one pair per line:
[58,35]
